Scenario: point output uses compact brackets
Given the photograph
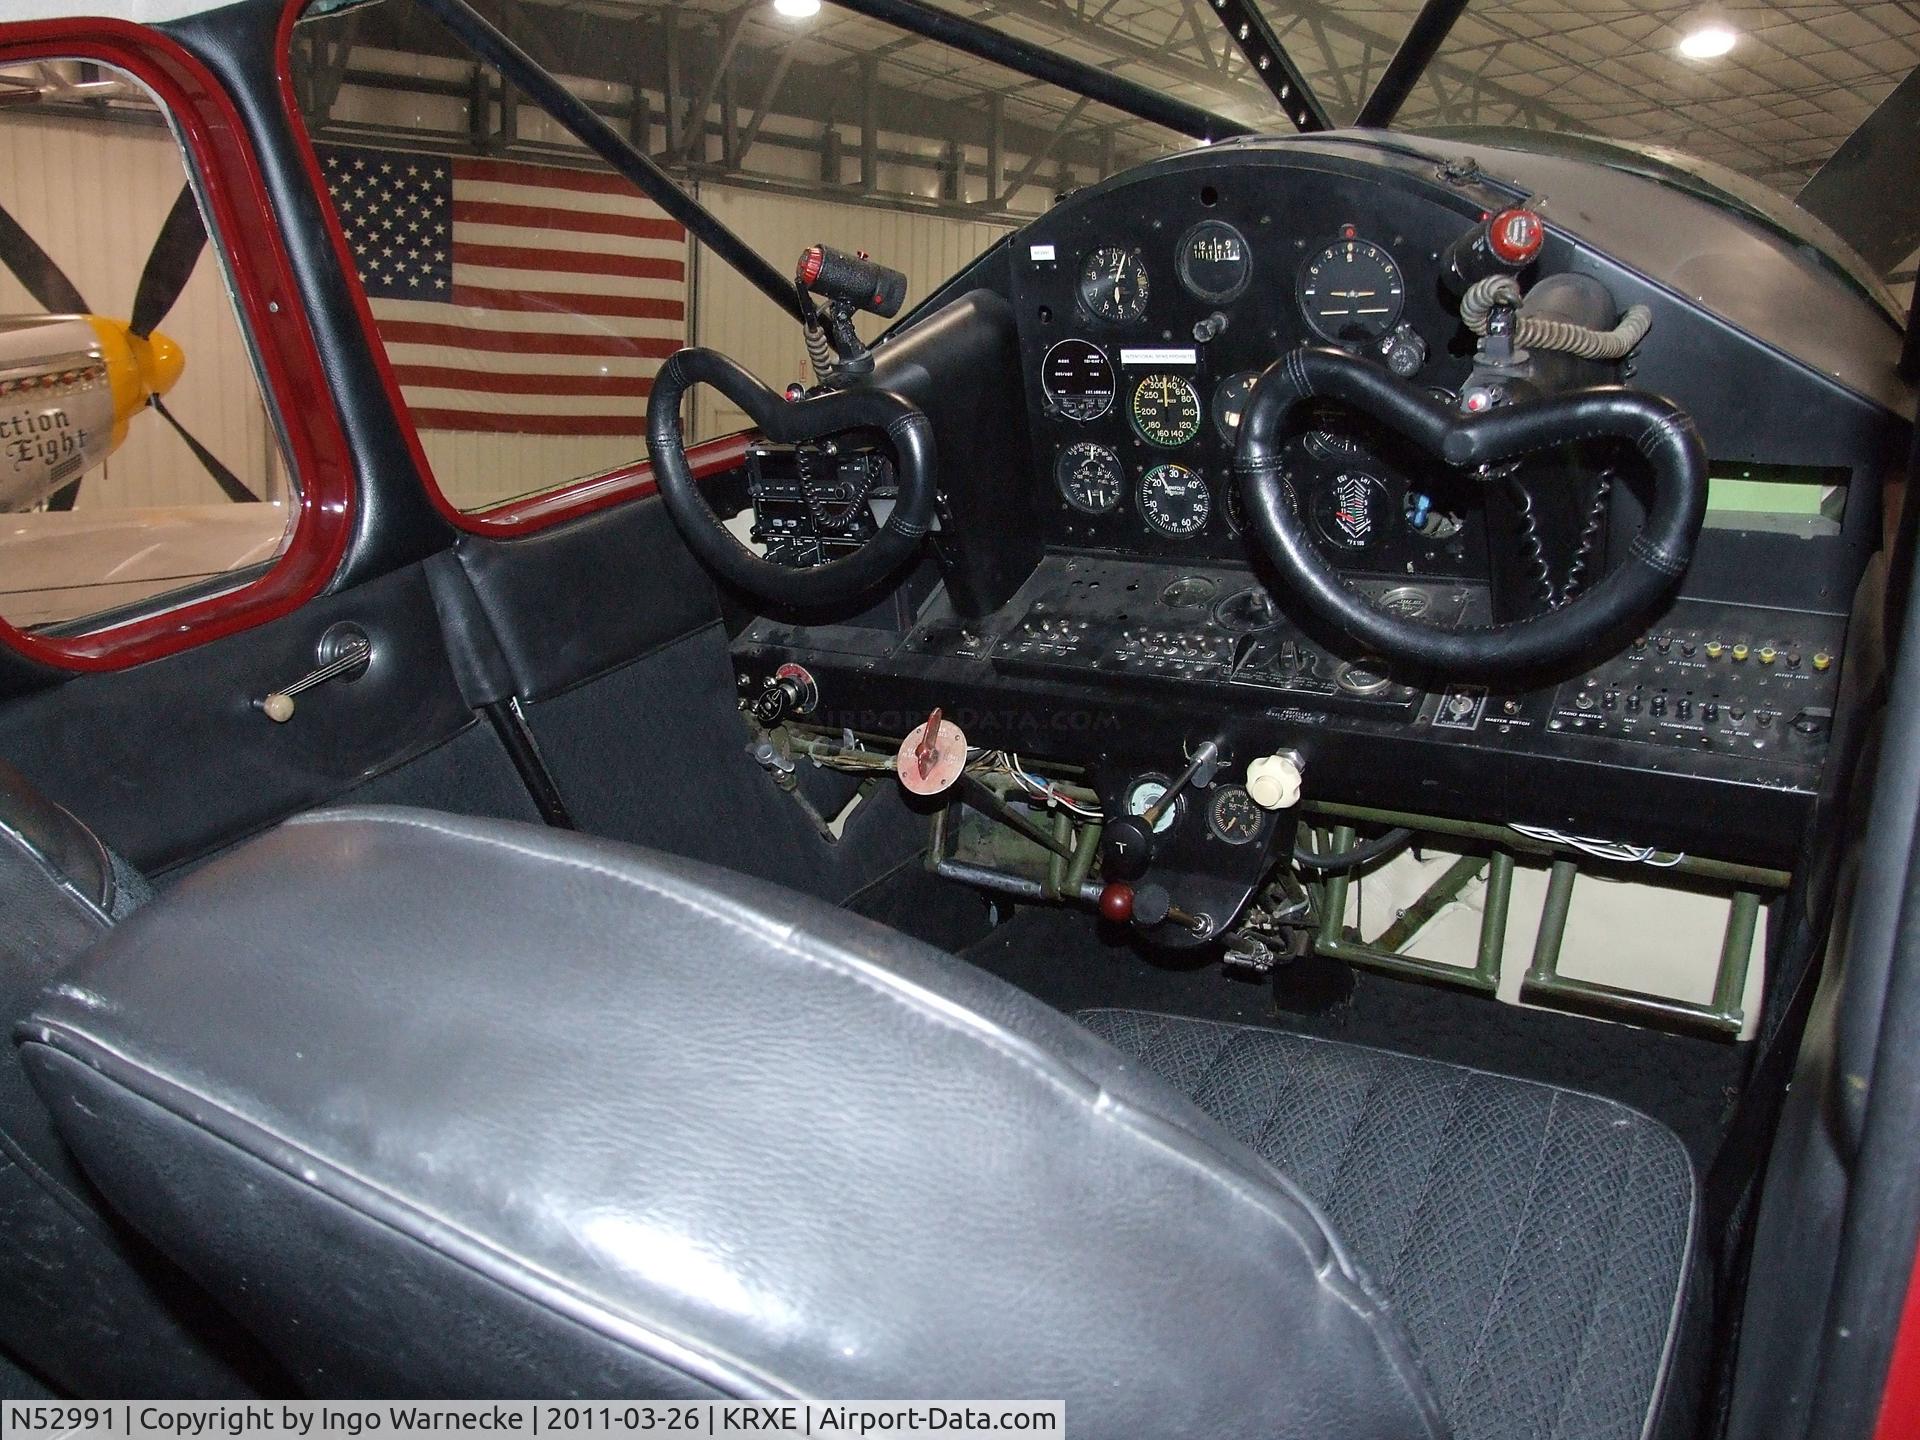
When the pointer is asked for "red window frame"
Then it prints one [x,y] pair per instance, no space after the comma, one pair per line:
[270,305]
[510,517]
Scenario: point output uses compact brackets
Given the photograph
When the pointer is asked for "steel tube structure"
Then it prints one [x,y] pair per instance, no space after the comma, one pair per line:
[492,45]
[1039,63]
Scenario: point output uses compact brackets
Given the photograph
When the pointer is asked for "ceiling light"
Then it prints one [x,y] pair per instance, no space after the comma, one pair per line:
[1709,42]
[797,9]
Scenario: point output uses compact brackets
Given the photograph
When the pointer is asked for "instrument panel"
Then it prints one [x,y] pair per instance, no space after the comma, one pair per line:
[1144,326]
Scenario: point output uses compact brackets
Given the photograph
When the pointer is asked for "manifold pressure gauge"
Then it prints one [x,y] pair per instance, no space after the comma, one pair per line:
[1175,501]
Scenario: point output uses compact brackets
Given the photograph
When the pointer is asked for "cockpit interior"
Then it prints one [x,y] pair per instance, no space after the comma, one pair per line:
[1280,806]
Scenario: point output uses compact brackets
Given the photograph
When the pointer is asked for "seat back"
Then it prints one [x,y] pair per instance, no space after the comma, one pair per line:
[447,1106]
[84,1303]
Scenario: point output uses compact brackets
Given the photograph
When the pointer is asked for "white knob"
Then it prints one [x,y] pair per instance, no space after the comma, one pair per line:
[278,707]
[1274,781]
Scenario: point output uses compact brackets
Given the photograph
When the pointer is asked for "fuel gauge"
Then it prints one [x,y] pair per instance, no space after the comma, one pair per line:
[1230,402]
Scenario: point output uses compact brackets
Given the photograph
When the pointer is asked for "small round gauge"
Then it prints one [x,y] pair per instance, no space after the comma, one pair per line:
[1350,510]
[1233,817]
[1174,500]
[1214,261]
[1078,379]
[1113,284]
[1352,290]
[1144,794]
[1230,400]
[1405,602]
[1363,677]
[1090,477]
[1165,411]
[1189,592]
[1330,433]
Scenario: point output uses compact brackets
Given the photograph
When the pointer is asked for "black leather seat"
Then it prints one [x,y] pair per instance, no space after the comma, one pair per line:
[84,1304]
[451,1106]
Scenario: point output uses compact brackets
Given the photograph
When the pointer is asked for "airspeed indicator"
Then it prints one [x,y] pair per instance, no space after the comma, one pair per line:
[1165,410]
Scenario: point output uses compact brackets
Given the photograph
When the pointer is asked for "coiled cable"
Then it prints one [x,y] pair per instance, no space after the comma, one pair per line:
[1534,332]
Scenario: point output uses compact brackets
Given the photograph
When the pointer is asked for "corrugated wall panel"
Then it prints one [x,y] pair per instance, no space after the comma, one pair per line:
[94,195]
[732,317]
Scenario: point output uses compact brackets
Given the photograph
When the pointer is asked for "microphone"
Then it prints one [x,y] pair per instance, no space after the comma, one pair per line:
[851,280]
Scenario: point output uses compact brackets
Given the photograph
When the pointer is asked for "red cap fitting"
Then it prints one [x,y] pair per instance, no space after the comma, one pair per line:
[810,261]
[1116,902]
[1516,236]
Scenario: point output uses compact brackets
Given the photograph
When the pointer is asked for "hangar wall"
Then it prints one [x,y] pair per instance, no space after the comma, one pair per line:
[729,315]
[55,174]
[218,400]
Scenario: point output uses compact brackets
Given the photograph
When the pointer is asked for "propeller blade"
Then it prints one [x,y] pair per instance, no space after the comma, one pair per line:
[176,250]
[230,484]
[34,268]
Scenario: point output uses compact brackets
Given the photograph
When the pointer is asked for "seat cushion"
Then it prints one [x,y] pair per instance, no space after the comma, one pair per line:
[448,1106]
[1535,1242]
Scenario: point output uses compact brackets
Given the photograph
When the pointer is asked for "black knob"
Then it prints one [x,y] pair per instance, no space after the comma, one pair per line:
[1126,849]
[1150,905]
[775,703]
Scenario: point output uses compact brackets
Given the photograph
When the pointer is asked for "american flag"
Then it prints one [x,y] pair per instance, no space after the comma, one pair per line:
[512,298]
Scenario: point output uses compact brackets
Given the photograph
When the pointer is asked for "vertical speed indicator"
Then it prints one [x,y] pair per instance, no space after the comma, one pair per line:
[1352,291]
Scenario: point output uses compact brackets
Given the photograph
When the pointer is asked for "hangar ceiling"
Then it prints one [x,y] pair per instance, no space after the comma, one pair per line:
[840,103]
[1800,79]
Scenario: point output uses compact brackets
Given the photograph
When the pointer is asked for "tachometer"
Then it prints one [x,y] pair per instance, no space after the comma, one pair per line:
[1175,501]
[1078,379]
[1214,261]
[1233,817]
[1165,410]
[1090,477]
[1113,284]
[1352,290]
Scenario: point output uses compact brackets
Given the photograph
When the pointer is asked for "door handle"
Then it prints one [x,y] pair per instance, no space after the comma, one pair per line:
[344,652]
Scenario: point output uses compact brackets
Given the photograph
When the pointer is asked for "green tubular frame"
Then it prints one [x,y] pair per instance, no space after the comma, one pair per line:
[1543,985]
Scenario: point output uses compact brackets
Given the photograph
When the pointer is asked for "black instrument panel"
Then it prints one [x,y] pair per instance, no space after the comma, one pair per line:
[1144,322]
[1132,615]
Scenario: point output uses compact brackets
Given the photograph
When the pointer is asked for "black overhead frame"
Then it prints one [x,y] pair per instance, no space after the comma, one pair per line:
[492,45]
[1247,27]
[1249,30]
[1430,30]
[1039,63]
[1087,81]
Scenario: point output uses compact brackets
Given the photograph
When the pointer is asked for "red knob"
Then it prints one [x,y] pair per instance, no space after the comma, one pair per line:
[1116,902]
[1516,236]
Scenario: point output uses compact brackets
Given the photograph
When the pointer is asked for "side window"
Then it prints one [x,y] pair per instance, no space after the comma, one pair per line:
[523,307]
[523,294]
[139,462]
